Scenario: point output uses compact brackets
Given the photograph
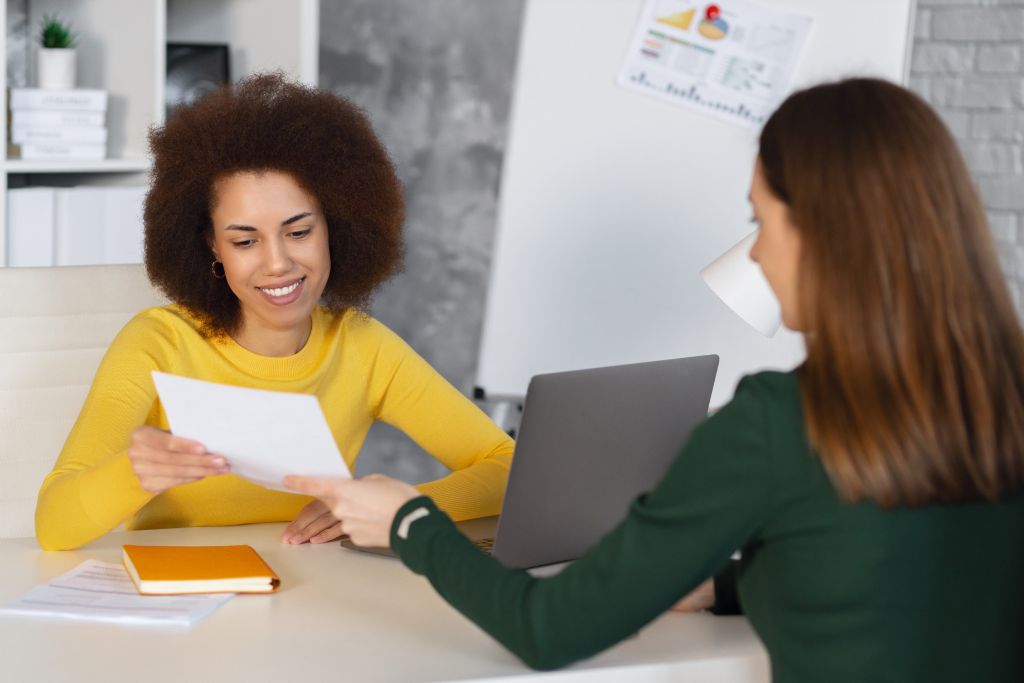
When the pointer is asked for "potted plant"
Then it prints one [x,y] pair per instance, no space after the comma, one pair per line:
[55,66]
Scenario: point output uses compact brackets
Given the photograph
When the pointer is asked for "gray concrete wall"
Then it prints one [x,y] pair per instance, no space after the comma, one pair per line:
[436,75]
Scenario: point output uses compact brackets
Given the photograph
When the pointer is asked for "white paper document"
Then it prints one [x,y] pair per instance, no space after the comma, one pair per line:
[264,435]
[733,60]
[103,591]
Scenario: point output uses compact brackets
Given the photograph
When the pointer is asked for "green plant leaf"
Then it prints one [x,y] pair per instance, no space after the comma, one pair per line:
[53,32]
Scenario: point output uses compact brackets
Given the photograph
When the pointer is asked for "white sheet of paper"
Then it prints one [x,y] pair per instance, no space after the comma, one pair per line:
[264,435]
[102,591]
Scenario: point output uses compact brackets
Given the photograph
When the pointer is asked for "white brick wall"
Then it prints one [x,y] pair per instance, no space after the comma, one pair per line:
[969,63]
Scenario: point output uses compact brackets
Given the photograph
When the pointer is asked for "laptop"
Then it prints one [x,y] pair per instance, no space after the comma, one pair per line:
[590,442]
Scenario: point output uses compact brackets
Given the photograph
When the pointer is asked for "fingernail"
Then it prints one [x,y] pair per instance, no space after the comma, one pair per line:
[198,449]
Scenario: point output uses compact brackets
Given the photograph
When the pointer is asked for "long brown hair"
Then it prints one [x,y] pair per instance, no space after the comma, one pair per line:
[913,388]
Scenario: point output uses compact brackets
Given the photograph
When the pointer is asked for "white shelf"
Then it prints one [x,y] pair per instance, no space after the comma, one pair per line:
[102,166]
[122,50]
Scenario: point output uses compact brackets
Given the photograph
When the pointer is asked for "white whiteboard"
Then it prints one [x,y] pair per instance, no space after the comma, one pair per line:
[612,201]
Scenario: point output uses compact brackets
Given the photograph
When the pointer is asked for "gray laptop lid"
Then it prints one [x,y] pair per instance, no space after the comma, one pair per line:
[590,442]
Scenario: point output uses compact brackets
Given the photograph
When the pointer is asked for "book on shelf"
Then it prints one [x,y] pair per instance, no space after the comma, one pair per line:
[171,570]
[49,118]
[74,99]
[123,238]
[58,134]
[57,125]
[75,226]
[99,225]
[57,151]
[30,221]
[79,212]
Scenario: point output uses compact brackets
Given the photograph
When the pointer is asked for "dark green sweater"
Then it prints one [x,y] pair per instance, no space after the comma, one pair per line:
[837,591]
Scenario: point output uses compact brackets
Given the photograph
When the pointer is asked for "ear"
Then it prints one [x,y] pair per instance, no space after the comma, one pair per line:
[212,245]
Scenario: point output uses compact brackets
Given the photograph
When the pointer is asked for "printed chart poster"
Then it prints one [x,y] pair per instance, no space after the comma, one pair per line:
[733,60]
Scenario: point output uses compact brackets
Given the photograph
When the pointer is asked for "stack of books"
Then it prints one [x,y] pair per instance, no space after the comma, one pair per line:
[57,125]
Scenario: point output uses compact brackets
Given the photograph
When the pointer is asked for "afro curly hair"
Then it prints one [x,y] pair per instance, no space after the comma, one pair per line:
[268,123]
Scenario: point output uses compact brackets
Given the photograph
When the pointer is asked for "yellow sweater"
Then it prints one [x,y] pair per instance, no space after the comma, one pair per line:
[359,370]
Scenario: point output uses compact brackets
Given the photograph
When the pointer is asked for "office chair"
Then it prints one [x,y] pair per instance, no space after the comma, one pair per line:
[55,325]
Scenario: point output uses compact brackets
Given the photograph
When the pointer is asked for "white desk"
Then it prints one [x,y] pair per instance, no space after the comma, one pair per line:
[340,615]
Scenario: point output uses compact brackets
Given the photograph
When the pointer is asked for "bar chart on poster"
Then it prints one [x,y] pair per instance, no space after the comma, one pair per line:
[632,138]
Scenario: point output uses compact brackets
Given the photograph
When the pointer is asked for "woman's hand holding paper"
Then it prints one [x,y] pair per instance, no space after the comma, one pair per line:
[161,460]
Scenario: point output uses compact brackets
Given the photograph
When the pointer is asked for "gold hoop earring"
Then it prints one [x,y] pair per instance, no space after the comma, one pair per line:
[213,269]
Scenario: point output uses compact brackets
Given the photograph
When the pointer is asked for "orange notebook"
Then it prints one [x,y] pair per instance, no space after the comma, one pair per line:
[167,570]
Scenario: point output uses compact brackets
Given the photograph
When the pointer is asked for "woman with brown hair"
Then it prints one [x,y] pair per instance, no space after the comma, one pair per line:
[875,492]
[273,215]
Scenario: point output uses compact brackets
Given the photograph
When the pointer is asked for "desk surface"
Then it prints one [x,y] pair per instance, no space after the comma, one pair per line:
[339,613]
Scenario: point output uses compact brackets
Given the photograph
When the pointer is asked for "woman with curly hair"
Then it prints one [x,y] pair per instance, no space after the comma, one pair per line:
[876,492]
[273,215]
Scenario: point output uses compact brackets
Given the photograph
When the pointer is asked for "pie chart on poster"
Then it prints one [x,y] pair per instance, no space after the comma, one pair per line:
[713,29]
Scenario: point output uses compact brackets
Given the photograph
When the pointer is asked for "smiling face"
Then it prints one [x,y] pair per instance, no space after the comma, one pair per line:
[271,236]
[777,249]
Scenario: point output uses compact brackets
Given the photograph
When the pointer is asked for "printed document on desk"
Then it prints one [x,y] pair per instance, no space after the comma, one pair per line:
[103,592]
[264,435]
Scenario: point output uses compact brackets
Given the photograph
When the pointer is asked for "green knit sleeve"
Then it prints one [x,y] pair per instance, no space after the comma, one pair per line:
[714,498]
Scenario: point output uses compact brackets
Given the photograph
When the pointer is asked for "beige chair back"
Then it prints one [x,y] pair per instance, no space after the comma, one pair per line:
[55,325]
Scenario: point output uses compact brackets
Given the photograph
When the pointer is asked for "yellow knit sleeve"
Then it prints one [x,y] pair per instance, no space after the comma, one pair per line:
[92,488]
[413,397]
